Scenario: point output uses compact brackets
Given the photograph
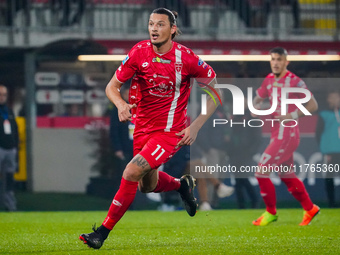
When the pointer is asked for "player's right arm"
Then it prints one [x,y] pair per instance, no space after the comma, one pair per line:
[125,71]
[113,93]
[257,102]
[261,94]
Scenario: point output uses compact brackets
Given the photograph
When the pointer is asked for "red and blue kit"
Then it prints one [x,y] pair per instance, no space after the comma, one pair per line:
[161,88]
[284,139]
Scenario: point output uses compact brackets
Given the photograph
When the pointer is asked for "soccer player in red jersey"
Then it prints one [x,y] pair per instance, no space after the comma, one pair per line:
[160,89]
[284,140]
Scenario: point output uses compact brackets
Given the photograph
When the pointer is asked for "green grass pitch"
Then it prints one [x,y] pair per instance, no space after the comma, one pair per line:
[153,232]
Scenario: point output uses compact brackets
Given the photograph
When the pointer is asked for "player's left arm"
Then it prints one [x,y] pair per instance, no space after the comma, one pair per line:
[311,106]
[190,133]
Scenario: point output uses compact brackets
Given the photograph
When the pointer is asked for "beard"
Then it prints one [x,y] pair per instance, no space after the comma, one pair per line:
[277,74]
[160,44]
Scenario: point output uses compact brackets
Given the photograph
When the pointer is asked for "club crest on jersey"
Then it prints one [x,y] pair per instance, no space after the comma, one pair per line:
[160,60]
[178,67]
[125,59]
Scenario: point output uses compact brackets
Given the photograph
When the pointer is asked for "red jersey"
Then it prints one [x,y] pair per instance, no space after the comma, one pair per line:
[270,82]
[161,85]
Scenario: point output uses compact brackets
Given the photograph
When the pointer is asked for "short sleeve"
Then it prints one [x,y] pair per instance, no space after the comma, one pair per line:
[201,70]
[128,67]
[262,91]
[299,83]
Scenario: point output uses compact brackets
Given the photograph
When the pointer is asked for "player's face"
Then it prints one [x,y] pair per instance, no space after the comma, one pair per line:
[3,95]
[159,29]
[333,100]
[278,63]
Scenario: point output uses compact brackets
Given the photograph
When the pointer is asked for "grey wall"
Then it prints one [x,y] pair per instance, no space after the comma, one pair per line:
[61,161]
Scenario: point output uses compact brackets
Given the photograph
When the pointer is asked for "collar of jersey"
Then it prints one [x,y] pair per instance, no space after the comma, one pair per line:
[277,79]
[162,54]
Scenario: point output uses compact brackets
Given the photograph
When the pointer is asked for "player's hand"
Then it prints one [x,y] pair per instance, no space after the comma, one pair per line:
[284,117]
[257,107]
[124,113]
[188,138]
[120,154]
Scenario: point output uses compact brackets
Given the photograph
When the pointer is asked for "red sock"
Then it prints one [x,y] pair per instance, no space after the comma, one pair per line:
[268,193]
[297,189]
[121,203]
[166,183]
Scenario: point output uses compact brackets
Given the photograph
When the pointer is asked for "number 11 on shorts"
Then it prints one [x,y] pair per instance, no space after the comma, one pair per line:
[157,149]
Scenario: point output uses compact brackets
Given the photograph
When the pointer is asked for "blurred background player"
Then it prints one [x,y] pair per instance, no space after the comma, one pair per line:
[180,164]
[284,140]
[8,151]
[208,151]
[163,69]
[204,180]
[194,155]
[328,136]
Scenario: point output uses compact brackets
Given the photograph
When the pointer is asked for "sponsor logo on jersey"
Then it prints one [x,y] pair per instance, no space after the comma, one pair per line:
[145,64]
[160,76]
[162,89]
[160,60]
[200,62]
[276,84]
[209,73]
[165,77]
[178,66]
[125,59]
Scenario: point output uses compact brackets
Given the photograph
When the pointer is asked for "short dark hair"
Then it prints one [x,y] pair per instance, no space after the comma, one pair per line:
[172,15]
[279,50]
[3,85]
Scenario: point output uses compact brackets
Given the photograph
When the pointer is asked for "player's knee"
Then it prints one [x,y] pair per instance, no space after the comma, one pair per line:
[132,173]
